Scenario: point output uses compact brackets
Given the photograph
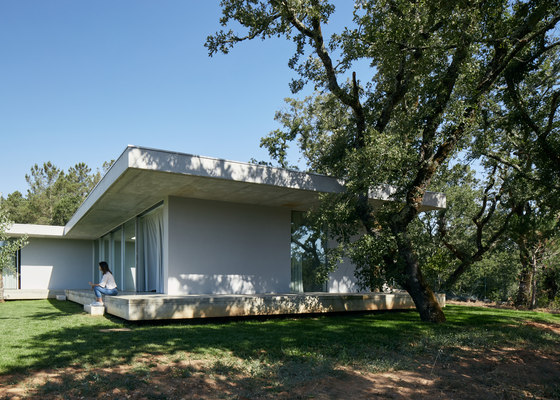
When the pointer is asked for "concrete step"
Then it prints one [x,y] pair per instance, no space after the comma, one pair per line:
[61,297]
[94,310]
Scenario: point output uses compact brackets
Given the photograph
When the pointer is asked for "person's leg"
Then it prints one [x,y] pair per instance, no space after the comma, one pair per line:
[101,291]
[97,291]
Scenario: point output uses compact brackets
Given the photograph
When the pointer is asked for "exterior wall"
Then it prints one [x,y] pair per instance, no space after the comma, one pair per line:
[227,248]
[342,280]
[56,264]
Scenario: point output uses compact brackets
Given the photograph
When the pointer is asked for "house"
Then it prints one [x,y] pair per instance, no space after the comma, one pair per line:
[178,225]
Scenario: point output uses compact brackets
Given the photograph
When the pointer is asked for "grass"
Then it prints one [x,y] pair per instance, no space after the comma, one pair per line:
[273,354]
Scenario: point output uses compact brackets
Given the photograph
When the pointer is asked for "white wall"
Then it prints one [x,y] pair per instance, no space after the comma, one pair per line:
[342,280]
[219,247]
[56,264]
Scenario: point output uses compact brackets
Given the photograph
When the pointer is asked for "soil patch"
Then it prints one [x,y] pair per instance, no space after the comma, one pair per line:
[468,374]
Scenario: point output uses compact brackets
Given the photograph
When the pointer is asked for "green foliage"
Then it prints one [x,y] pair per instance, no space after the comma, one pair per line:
[8,247]
[439,78]
[53,195]
[308,248]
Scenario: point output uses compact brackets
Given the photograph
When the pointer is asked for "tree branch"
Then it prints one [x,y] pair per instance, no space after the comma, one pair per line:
[351,100]
[501,59]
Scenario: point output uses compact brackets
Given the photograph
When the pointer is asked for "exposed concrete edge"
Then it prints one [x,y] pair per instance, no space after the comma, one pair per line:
[156,307]
[31,294]
[34,230]
[149,159]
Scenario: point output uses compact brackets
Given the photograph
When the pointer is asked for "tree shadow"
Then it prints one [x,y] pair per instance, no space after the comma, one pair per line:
[277,354]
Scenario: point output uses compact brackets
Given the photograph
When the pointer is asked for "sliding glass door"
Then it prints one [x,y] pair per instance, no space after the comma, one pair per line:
[134,252]
[150,251]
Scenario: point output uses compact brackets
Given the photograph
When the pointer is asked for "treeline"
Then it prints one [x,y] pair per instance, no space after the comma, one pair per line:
[498,238]
[53,195]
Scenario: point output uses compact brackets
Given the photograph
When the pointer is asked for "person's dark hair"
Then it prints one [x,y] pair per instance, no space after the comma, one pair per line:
[104,267]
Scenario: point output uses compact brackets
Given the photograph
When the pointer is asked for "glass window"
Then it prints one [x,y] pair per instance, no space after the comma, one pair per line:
[96,258]
[129,278]
[150,251]
[308,264]
[11,276]
[116,266]
[105,254]
[134,252]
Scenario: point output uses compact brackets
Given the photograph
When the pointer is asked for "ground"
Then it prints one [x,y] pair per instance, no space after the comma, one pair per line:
[477,371]
[504,374]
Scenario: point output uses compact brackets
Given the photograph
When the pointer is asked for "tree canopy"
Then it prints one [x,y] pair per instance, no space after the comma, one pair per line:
[8,247]
[441,76]
[53,195]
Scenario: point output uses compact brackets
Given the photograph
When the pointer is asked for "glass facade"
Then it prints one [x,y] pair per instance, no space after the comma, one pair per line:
[129,258]
[308,256]
[12,277]
[116,251]
[150,250]
[137,265]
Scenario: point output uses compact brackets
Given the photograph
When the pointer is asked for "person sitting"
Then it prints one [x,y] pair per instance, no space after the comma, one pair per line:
[107,286]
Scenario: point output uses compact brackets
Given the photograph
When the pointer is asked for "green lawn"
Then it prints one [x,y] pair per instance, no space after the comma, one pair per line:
[37,335]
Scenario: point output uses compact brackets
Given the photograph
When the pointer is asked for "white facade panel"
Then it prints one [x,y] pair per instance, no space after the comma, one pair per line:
[218,247]
[56,264]
[343,279]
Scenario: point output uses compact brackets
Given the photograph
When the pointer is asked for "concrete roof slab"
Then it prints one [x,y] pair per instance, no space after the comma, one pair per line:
[142,177]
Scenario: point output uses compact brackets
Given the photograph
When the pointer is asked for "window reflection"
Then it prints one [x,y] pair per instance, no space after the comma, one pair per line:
[308,249]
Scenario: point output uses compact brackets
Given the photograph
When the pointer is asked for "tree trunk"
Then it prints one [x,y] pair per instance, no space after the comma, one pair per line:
[524,291]
[534,263]
[423,297]
[415,284]
[460,270]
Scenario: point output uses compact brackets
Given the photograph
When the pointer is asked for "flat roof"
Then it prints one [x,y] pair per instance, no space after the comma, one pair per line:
[33,230]
[141,177]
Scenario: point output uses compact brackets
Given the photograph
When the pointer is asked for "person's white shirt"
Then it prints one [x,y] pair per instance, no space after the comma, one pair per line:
[108,281]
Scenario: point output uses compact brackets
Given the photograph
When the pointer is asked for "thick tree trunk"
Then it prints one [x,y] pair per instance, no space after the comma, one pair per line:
[534,265]
[415,284]
[460,270]
[524,292]
[423,297]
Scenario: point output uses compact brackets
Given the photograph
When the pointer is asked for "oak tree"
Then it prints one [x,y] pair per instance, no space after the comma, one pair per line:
[431,64]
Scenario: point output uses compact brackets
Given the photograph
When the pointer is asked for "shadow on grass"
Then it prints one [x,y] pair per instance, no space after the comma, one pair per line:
[276,354]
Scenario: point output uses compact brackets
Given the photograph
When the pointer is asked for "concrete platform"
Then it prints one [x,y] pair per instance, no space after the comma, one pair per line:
[150,306]
[31,294]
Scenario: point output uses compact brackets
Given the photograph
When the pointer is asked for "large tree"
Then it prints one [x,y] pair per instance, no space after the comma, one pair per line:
[431,64]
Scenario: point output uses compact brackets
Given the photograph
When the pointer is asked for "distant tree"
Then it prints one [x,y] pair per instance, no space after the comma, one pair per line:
[8,247]
[72,188]
[42,194]
[522,133]
[16,207]
[475,220]
[432,65]
[53,195]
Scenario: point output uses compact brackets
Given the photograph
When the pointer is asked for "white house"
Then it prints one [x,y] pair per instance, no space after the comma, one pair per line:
[179,224]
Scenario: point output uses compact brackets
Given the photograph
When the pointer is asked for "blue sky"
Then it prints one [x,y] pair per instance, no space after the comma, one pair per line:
[80,80]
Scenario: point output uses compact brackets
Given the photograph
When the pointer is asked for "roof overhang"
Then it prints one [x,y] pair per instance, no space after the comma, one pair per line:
[142,177]
[35,231]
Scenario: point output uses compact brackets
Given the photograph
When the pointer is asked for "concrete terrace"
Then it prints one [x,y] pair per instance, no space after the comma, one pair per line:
[152,306]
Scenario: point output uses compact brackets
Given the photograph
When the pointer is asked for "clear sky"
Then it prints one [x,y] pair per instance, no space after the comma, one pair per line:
[80,80]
